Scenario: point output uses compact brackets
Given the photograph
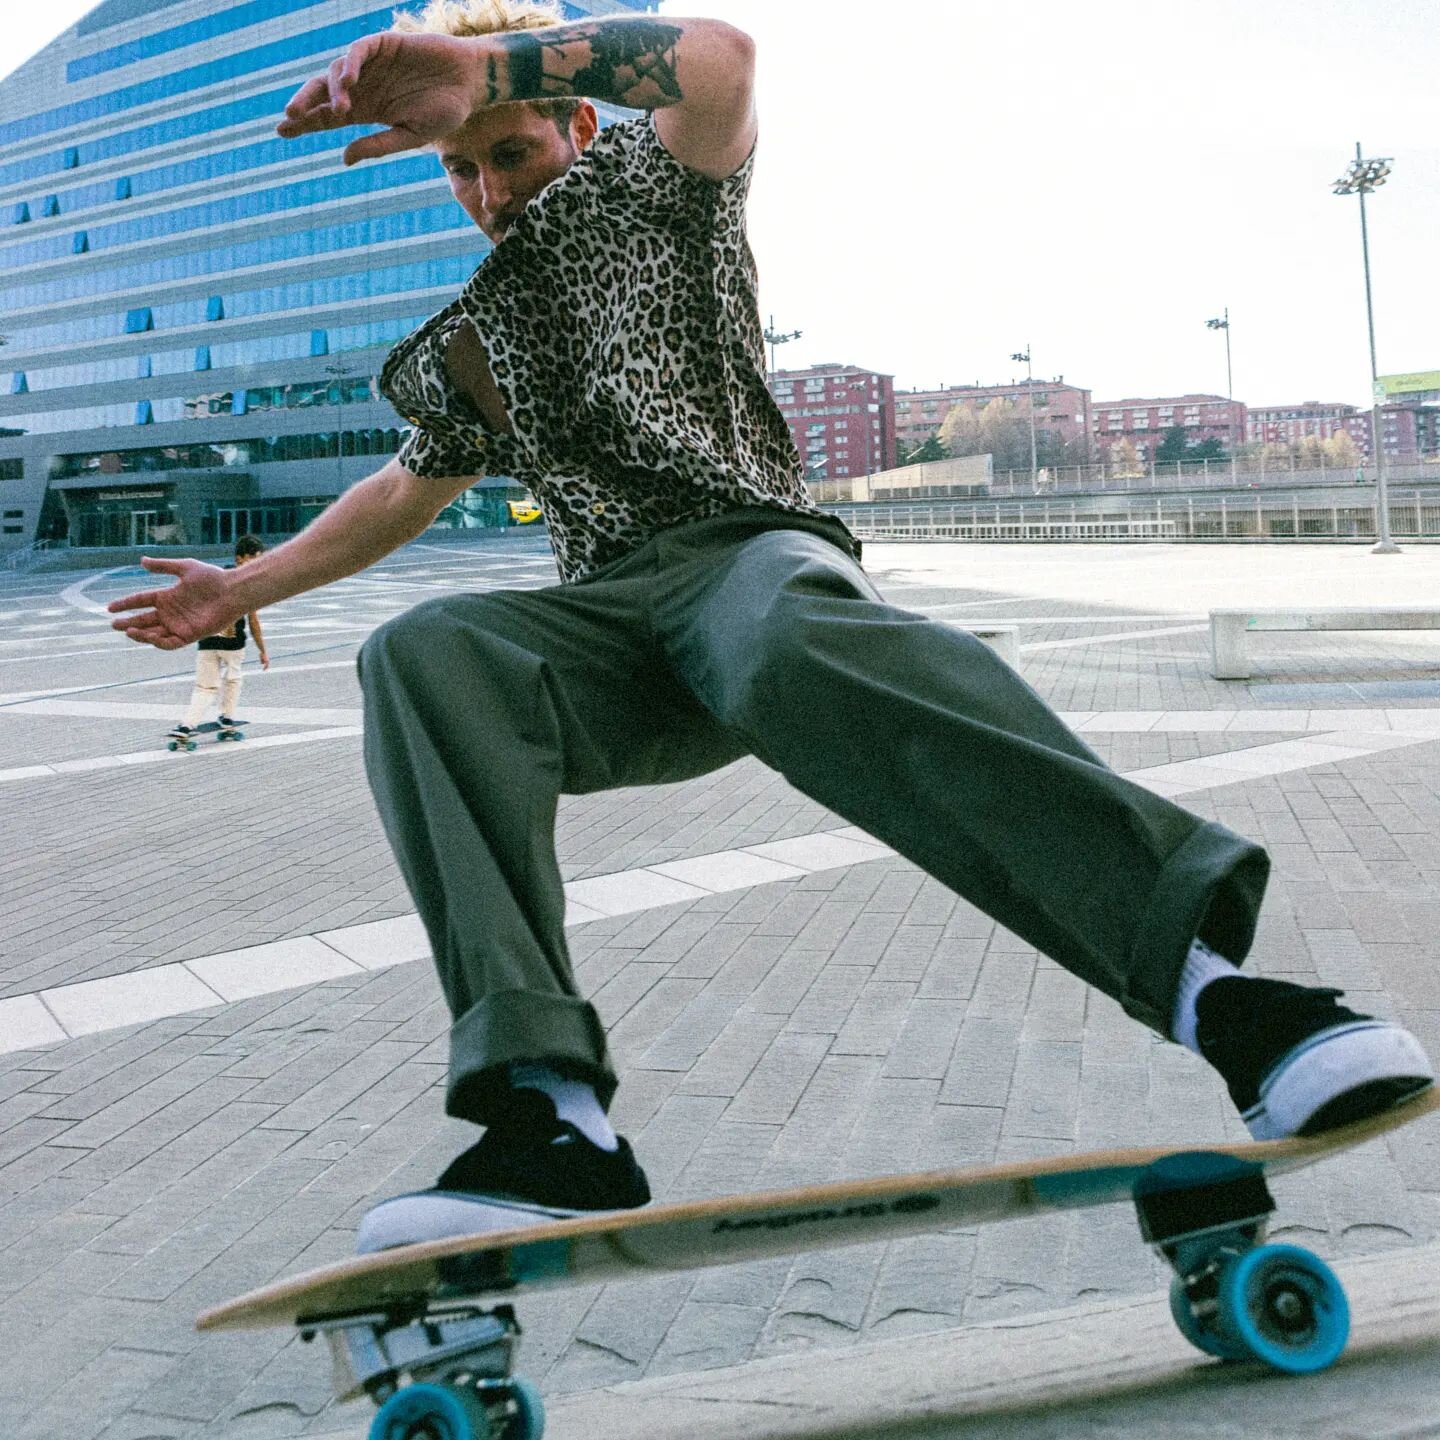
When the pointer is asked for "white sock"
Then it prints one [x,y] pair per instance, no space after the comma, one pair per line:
[575,1101]
[1202,965]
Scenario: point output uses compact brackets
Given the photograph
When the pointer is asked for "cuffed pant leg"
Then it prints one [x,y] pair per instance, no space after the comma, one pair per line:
[918,733]
[479,712]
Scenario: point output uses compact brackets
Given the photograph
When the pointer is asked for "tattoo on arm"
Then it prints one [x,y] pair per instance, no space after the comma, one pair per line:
[629,62]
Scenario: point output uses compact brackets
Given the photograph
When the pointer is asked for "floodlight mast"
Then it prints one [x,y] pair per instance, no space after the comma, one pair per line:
[1363,178]
[776,337]
[1224,324]
[1030,406]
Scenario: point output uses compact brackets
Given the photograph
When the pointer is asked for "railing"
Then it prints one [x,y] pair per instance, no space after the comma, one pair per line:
[1201,475]
[1257,517]
[28,557]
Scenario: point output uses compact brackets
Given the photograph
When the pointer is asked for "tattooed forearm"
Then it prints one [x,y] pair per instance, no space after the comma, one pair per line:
[629,62]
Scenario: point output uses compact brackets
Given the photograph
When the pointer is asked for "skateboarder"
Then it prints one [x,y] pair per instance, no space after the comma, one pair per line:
[218,663]
[609,354]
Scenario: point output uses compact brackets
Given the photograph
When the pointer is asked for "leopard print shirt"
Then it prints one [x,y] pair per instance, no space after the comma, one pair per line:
[620,321]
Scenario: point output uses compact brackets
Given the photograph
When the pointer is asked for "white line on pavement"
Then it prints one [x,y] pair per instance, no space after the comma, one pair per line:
[1109,639]
[67,1011]
[139,710]
[93,1005]
[1379,727]
[208,751]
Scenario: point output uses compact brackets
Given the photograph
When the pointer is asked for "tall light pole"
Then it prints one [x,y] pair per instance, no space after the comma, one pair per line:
[1224,324]
[1363,177]
[341,373]
[776,337]
[1030,399]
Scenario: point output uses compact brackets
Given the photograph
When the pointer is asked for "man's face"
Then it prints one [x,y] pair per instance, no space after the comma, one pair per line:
[501,159]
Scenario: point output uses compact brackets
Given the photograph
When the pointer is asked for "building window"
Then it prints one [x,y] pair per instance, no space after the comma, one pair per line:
[139,321]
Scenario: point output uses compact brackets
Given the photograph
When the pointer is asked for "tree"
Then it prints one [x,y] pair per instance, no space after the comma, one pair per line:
[928,451]
[1341,451]
[1125,459]
[1211,448]
[1172,447]
[997,429]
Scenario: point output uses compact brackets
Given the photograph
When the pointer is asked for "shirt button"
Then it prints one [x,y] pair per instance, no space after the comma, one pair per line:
[598,508]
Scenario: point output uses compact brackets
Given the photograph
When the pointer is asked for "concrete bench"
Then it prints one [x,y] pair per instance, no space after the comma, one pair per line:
[1004,640]
[1230,629]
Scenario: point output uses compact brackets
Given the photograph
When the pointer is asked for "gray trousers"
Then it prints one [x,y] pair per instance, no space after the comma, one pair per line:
[754,633]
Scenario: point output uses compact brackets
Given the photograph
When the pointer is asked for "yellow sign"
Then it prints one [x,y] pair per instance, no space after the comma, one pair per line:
[1409,384]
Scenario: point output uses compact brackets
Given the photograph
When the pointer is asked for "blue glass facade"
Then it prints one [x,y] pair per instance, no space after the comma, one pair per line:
[192,311]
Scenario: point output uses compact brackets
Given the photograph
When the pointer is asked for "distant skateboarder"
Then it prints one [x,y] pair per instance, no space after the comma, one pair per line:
[219,665]
[609,354]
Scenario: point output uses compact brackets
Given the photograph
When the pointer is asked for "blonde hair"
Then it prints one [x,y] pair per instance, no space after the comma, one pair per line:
[465,18]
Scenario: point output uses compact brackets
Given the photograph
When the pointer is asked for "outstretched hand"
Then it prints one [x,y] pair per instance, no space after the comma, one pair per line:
[198,604]
[423,87]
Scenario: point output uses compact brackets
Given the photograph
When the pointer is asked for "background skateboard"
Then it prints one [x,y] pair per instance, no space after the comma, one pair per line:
[210,727]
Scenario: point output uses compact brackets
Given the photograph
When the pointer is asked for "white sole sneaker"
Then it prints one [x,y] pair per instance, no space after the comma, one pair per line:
[1378,1064]
[439,1214]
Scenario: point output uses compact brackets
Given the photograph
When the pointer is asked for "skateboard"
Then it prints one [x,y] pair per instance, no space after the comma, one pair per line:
[417,1327]
[210,727]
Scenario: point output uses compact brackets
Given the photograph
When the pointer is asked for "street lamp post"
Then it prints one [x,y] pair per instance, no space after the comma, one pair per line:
[1363,177]
[341,374]
[1030,405]
[1224,324]
[776,337]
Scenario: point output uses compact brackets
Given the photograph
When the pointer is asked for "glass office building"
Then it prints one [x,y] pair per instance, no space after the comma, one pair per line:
[192,311]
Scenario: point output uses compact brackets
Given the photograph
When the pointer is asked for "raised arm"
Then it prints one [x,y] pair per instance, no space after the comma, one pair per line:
[364,525]
[698,74]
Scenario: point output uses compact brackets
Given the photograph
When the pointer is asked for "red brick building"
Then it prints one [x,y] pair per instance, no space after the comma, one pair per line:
[1411,428]
[841,417]
[1285,424]
[1144,422]
[1062,413]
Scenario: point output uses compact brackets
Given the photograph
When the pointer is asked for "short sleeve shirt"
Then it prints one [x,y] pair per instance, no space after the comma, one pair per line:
[620,322]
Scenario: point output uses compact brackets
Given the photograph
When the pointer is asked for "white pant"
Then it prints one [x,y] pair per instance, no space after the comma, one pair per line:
[217,678]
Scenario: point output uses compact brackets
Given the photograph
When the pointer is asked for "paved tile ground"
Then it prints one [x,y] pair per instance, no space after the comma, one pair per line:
[850,1021]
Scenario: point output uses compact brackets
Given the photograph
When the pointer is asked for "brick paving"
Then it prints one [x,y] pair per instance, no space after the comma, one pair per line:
[848,1022]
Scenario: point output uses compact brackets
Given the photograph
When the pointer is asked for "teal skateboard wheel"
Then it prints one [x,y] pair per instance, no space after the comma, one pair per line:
[1285,1307]
[430,1412]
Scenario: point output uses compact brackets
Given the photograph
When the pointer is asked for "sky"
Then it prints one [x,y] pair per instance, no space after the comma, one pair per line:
[942,183]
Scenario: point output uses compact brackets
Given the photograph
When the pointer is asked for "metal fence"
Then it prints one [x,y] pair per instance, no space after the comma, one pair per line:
[1256,517]
[27,557]
[1253,471]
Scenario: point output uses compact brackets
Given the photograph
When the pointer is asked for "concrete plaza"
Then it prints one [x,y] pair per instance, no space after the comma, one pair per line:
[220,1040]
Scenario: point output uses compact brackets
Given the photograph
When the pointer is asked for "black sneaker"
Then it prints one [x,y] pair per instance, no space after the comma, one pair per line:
[1297,1063]
[528,1166]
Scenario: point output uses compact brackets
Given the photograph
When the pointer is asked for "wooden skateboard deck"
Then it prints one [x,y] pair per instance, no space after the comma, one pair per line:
[418,1329]
[443,1273]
